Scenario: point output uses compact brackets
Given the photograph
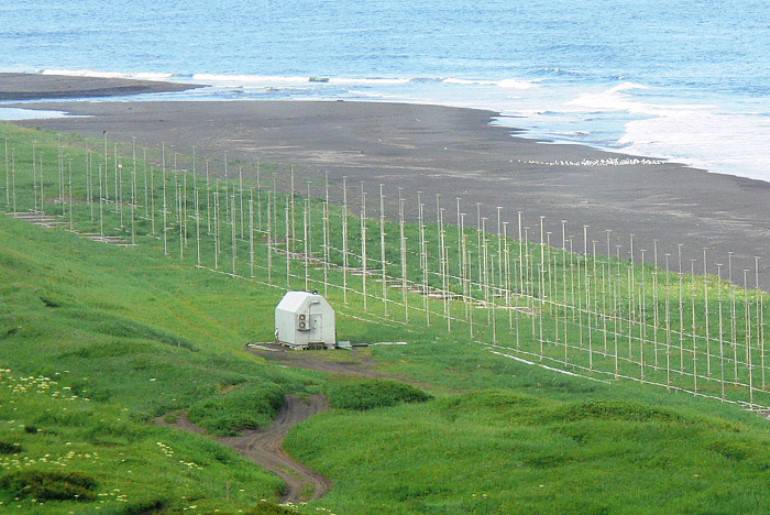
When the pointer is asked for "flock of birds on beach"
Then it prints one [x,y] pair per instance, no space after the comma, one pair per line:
[597,162]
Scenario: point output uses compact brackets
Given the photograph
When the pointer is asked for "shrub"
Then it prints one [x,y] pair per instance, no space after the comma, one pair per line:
[50,485]
[9,448]
[266,508]
[146,507]
[364,395]
[249,407]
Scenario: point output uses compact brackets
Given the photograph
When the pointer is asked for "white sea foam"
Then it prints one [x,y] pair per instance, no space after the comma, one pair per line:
[505,83]
[343,81]
[262,81]
[10,114]
[226,80]
[611,99]
[108,75]
[732,143]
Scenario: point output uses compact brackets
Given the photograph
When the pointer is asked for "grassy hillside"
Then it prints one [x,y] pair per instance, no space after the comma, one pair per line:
[101,339]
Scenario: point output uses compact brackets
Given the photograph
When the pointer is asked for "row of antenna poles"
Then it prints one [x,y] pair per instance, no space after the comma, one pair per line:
[638,315]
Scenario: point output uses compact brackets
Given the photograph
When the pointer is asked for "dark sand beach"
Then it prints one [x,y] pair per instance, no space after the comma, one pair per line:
[457,153]
[25,86]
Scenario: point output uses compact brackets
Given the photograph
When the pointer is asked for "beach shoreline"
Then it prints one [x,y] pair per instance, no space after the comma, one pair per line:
[457,152]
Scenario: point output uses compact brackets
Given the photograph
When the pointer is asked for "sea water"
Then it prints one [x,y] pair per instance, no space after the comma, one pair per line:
[687,81]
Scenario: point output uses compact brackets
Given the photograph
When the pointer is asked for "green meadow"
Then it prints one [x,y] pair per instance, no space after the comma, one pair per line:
[98,340]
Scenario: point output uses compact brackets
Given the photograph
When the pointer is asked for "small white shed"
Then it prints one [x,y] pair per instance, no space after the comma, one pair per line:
[304,320]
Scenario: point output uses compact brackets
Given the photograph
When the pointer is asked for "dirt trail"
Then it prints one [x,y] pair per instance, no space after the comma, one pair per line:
[265,447]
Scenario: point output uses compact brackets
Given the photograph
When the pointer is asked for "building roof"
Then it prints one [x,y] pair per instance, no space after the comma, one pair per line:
[294,300]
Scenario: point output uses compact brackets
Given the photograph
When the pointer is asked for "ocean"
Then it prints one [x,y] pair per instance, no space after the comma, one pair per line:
[686,81]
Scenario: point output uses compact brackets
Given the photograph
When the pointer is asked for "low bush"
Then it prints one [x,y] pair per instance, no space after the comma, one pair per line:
[249,407]
[267,508]
[365,395]
[59,486]
[9,448]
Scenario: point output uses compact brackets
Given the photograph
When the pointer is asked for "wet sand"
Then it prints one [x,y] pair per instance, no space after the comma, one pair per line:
[457,153]
[30,86]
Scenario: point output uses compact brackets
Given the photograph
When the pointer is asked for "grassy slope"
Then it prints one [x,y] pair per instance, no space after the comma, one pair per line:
[497,429]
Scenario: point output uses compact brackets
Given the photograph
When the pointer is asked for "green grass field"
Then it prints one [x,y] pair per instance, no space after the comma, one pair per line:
[100,339]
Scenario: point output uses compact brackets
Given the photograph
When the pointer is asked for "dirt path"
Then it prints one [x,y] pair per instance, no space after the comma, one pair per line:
[265,447]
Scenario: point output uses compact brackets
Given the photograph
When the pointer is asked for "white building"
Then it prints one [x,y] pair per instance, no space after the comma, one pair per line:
[304,320]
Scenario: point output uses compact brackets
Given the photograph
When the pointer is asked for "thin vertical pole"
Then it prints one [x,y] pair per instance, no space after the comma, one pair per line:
[706,314]
[34,178]
[749,365]
[444,270]
[493,309]
[165,212]
[345,239]
[643,315]
[133,202]
[306,241]
[286,231]
[667,312]
[460,262]
[240,191]
[270,208]
[326,234]
[760,323]
[259,200]
[13,180]
[89,182]
[179,220]
[251,232]
[101,205]
[363,245]
[70,200]
[692,329]
[217,231]
[402,239]
[106,161]
[144,171]
[382,254]
[197,225]
[152,199]
[208,199]
[291,241]
[733,316]
[522,284]
[7,177]
[233,235]
[424,260]
[118,174]
[681,310]
[721,337]
[42,184]
[507,285]
[542,294]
